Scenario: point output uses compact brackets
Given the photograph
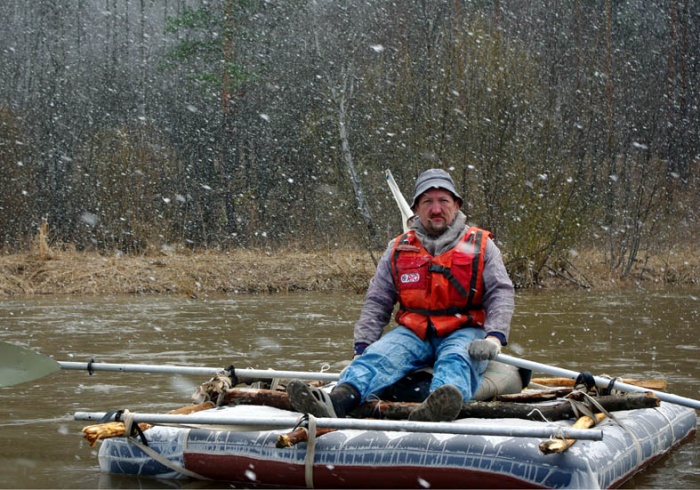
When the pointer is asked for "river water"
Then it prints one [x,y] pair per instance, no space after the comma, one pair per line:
[627,334]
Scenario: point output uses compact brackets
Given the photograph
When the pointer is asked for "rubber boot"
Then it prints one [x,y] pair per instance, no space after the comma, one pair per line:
[442,405]
[345,398]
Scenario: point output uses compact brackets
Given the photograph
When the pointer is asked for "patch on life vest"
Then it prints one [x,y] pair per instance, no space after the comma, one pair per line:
[410,278]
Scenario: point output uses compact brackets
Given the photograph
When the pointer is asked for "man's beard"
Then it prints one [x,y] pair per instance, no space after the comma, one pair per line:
[435,229]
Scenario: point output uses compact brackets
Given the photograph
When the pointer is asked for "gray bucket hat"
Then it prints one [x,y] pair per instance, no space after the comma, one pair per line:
[434,178]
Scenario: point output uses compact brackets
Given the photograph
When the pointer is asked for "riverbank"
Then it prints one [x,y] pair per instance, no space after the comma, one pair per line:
[45,271]
[190,274]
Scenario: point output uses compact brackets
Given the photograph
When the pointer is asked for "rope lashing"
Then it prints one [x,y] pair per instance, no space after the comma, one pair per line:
[608,389]
[307,422]
[127,418]
[231,373]
[585,380]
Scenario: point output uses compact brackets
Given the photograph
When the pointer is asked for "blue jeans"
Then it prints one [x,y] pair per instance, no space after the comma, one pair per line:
[400,352]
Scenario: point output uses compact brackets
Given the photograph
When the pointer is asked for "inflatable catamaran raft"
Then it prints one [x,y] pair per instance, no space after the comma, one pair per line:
[532,438]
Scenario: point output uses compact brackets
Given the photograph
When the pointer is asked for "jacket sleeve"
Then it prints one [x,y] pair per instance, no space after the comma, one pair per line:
[378,304]
[499,296]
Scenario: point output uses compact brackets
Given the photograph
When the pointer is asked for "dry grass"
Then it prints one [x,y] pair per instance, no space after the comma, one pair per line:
[74,273]
[45,270]
[590,268]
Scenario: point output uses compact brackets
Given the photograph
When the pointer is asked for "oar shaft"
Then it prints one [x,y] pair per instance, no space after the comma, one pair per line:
[542,432]
[600,381]
[192,370]
[325,376]
[406,212]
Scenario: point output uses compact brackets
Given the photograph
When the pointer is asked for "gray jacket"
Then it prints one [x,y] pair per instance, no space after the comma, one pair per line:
[381,296]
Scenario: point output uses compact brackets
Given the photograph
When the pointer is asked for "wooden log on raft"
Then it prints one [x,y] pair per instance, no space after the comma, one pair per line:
[556,411]
[255,396]
[94,433]
[650,384]
[532,396]
[297,436]
[495,409]
[560,445]
[388,410]
[499,409]
[188,409]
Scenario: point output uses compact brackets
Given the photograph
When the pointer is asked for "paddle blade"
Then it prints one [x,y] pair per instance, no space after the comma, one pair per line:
[19,365]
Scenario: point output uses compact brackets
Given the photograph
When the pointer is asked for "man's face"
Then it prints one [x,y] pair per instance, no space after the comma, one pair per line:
[436,209]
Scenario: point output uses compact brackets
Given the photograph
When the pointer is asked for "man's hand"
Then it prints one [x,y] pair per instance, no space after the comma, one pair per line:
[484,349]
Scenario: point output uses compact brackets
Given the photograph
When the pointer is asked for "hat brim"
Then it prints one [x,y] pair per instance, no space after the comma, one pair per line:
[423,188]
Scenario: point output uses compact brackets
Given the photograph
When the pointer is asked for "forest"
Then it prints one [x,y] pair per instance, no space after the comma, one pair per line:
[128,126]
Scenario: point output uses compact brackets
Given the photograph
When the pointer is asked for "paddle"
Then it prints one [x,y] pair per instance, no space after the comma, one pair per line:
[359,424]
[20,365]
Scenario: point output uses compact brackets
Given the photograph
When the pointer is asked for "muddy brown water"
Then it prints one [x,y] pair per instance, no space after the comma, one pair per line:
[628,334]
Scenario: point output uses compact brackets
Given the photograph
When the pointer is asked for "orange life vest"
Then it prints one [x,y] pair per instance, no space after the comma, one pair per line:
[444,292]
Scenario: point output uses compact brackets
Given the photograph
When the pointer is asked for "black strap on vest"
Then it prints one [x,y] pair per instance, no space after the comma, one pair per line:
[445,271]
[476,240]
[451,311]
